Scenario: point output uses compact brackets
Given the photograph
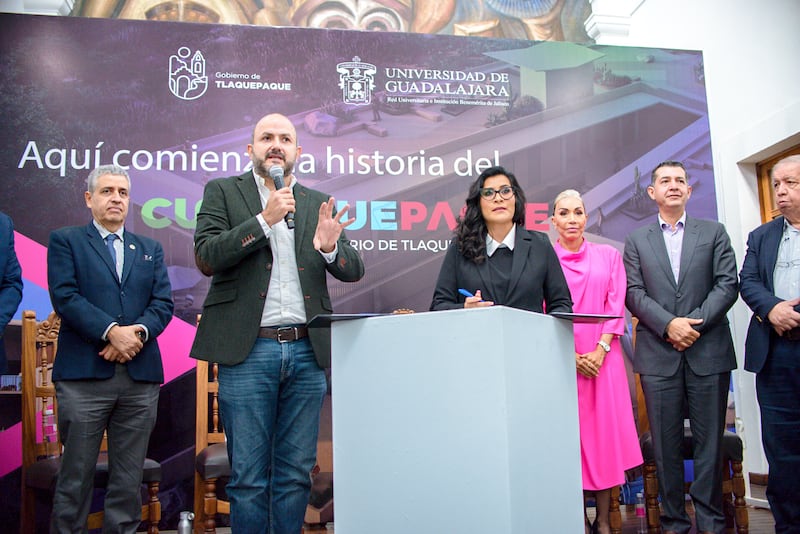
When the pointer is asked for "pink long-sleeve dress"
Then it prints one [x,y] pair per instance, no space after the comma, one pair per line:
[609,442]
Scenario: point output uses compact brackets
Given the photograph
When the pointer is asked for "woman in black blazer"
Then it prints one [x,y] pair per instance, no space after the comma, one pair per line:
[495,259]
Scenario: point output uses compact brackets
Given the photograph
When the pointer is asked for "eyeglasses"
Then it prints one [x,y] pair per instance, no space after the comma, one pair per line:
[488,193]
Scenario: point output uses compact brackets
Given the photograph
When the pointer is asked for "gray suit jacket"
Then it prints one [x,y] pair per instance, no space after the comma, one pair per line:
[706,289]
[231,246]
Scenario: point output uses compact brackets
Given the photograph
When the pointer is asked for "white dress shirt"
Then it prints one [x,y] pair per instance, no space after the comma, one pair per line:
[284,304]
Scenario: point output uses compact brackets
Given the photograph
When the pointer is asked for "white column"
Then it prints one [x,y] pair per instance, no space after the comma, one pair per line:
[610,20]
[39,7]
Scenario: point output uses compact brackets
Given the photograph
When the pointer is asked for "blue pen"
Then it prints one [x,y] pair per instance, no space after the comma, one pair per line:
[467,293]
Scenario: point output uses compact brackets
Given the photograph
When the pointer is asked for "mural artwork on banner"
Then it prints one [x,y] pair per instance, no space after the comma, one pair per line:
[397,125]
[541,20]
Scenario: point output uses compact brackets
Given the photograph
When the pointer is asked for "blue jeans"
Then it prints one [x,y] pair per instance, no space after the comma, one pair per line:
[270,405]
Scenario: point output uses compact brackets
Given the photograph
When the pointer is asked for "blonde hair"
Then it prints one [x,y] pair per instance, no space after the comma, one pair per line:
[567,193]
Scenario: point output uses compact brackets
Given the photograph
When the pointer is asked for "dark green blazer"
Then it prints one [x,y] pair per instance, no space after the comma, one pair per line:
[230,245]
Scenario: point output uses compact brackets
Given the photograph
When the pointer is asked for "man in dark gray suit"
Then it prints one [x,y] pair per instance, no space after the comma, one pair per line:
[269,280]
[681,282]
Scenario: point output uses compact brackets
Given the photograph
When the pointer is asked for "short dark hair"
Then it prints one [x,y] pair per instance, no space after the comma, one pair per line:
[668,163]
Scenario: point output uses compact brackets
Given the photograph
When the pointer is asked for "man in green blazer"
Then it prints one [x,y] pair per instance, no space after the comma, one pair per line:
[268,250]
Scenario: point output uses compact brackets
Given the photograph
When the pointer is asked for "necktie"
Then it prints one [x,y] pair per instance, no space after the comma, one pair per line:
[110,238]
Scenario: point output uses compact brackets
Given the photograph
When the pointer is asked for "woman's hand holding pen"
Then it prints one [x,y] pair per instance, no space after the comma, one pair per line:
[476,300]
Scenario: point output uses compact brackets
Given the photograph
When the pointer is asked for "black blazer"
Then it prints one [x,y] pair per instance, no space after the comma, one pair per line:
[536,280]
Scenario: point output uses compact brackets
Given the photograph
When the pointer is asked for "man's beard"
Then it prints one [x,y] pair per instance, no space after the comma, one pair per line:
[260,166]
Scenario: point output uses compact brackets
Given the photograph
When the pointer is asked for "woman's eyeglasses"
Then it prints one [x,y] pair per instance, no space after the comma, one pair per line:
[488,193]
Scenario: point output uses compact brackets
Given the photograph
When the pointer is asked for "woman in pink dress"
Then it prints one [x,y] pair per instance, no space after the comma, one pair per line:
[596,279]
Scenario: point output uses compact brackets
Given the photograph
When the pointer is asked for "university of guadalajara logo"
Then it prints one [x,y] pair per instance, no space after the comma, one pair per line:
[187,74]
[357,81]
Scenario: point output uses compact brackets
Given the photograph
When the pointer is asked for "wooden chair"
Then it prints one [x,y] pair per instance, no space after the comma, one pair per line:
[211,460]
[733,489]
[211,455]
[614,513]
[41,447]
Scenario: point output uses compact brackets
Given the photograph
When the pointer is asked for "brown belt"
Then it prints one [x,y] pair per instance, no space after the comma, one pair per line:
[284,334]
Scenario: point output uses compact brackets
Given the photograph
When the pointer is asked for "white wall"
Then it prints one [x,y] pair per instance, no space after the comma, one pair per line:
[752,82]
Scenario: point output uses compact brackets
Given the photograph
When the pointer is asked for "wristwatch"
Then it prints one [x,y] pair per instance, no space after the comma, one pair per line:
[605,346]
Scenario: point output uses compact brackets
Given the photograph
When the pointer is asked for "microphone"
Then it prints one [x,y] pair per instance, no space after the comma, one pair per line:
[276,173]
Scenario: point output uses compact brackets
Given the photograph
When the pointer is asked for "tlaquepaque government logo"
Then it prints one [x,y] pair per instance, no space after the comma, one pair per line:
[187,74]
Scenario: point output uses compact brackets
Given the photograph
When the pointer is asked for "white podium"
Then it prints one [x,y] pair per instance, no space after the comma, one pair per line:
[462,421]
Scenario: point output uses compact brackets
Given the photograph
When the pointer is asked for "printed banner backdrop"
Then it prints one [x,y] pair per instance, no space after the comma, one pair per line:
[397,125]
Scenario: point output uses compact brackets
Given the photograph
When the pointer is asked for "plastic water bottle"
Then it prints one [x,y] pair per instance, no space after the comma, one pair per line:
[185,523]
[640,514]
